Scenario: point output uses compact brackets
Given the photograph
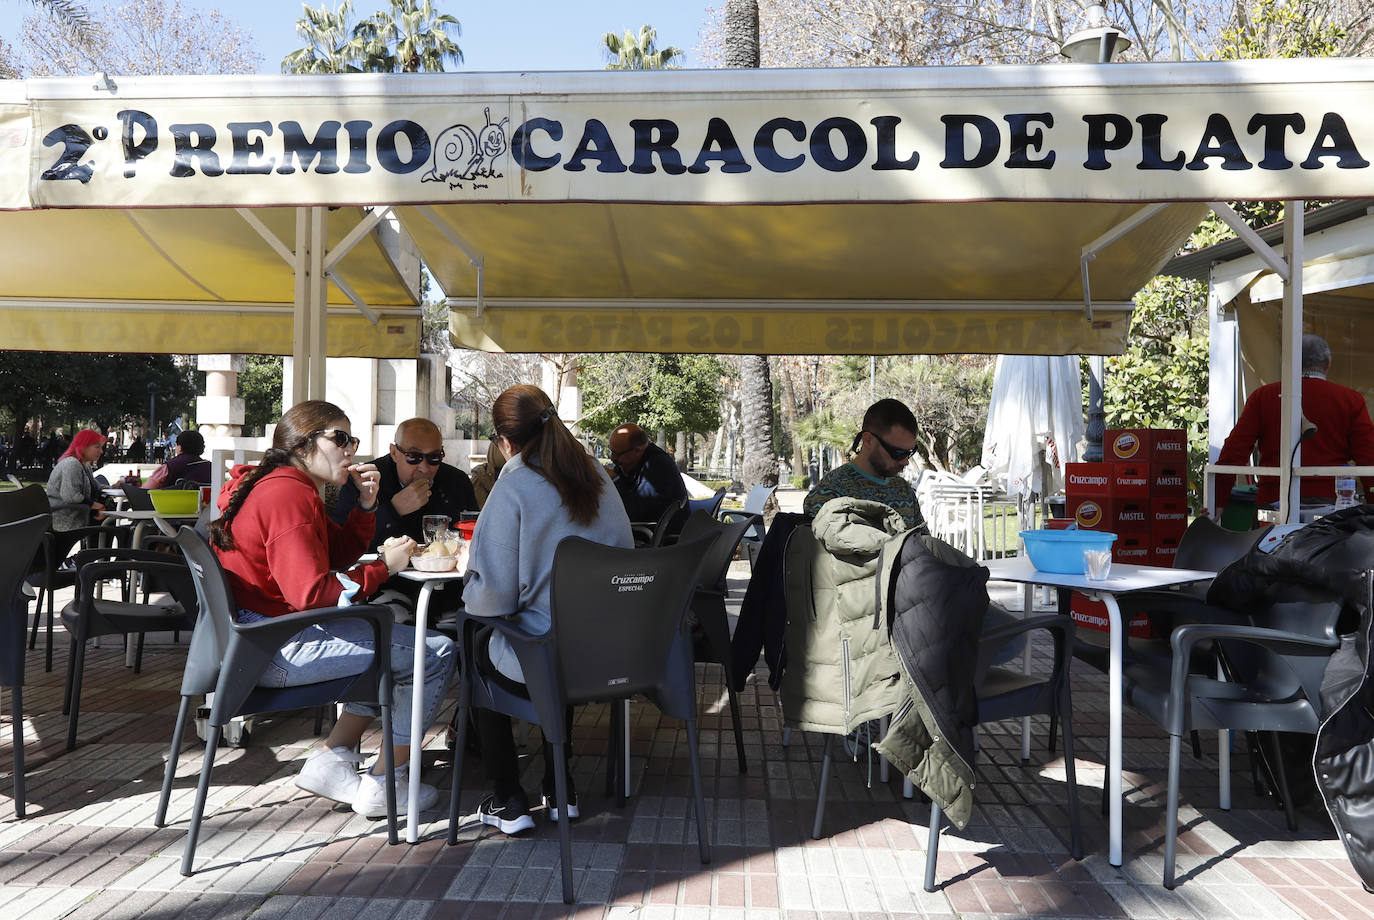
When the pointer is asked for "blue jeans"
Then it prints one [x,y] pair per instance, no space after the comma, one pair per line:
[327,651]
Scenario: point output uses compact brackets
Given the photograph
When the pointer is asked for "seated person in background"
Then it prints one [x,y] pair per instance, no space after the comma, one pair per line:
[644,474]
[75,496]
[187,464]
[550,489]
[484,474]
[1340,415]
[884,445]
[415,481]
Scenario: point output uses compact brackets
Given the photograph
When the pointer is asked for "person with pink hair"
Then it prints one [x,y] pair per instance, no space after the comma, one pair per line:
[72,489]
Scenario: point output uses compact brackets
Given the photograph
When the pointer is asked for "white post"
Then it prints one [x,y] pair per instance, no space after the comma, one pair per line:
[300,325]
[318,303]
[1290,403]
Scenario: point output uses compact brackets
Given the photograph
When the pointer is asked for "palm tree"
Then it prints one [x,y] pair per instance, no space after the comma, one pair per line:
[756,397]
[74,16]
[329,42]
[412,38]
[637,52]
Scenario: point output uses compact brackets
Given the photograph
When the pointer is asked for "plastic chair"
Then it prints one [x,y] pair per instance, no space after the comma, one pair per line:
[47,573]
[89,616]
[1006,693]
[227,658]
[669,522]
[708,603]
[619,629]
[754,504]
[1274,667]
[21,537]
[710,505]
[138,498]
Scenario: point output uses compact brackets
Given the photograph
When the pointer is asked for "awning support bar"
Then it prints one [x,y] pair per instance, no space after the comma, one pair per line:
[476,260]
[256,223]
[355,236]
[1091,250]
[348,292]
[1252,239]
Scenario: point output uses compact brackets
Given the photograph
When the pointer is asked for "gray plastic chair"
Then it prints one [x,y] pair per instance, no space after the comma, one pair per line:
[611,638]
[21,536]
[228,658]
[1274,666]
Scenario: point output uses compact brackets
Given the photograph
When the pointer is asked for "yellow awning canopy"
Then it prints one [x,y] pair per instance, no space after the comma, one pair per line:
[188,281]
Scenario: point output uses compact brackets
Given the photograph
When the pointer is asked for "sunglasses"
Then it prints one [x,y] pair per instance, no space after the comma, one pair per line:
[342,439]
[413,457]
[896,453]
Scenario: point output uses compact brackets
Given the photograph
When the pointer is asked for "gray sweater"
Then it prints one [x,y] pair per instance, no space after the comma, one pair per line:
[511,563]
[71,484]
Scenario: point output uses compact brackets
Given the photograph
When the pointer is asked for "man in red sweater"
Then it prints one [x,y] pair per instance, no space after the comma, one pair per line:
[1344,430]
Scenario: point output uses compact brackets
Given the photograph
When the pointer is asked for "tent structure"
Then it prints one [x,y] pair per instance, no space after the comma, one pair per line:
[1247,320]
[1010,210]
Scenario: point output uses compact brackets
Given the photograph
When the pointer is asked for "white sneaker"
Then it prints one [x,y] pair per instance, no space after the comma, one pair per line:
[331,773]
[370,801]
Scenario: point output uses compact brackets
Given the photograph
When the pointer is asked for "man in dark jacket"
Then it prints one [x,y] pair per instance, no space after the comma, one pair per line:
[415,482]
[644,473]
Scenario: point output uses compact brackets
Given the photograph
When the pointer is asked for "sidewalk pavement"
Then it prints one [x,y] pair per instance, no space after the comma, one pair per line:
[88,849]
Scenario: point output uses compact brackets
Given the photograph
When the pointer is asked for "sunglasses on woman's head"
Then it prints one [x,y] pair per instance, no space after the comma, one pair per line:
[341,438]
[413,457]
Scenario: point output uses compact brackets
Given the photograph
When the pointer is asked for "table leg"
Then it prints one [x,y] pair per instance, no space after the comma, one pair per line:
[1116,642]
[417,714]
[1027,609]
[131,647]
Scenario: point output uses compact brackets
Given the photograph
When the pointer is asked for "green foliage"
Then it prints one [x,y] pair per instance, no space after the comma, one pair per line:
[410,37]
[110,390]
[822,429]
[260,386]
[637,52]
[1281,29]
[669,392]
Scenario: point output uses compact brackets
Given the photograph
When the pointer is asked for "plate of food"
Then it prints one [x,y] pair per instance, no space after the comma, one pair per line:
[439,556]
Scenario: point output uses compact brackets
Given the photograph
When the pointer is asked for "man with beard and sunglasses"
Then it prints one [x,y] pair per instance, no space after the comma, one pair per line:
[882,448]
[415,482]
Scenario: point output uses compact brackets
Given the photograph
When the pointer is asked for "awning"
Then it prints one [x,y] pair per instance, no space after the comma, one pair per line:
[859,211]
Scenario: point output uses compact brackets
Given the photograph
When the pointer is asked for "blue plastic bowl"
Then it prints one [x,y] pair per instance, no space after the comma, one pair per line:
[1061,551]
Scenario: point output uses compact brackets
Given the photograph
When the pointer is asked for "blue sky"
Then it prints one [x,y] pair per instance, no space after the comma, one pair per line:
[497,34]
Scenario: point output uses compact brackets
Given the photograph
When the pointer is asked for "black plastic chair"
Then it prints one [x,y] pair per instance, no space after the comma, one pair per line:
[21,536]
[138,498]
[710,505]
[619,629]
[89,616]
[708,604]
[1006,693]
[228,658]
[754,504]
[48,574]
[1274,665]
[668,524]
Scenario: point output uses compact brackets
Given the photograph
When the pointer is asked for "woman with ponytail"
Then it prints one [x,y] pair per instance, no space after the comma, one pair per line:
[282,554]
[549,488]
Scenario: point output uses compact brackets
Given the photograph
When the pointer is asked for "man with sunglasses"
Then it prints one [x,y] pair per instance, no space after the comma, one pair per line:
[645,475]
[415,482]
[884,446]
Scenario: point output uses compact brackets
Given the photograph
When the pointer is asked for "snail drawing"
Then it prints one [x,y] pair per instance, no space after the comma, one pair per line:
[461,153]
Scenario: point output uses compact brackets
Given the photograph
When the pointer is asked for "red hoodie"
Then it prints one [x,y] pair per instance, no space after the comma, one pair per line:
[285,546]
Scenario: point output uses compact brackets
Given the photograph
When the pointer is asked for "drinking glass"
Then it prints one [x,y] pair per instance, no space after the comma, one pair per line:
[1097,564]
[435,526]
[1345,491]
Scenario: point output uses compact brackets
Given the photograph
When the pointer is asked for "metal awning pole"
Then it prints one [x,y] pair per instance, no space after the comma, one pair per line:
[300,326]
[319,312]
[1290,399]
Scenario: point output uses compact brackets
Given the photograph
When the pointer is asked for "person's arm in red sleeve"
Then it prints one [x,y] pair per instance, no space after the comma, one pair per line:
[299,564]
[1239,447]
[351,539]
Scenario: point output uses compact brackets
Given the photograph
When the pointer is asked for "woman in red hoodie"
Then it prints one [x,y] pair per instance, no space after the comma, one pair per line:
[282,553]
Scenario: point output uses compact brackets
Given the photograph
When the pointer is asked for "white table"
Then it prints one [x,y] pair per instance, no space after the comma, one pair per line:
[1124,580]
[428,582]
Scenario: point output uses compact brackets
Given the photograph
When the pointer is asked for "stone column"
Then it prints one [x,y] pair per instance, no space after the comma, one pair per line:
[219,413]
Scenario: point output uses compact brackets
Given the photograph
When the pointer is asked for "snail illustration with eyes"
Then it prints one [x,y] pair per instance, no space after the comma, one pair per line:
[461,153]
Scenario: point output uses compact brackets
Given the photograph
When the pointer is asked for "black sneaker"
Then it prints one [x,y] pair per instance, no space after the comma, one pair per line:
[551,805]
[509,817]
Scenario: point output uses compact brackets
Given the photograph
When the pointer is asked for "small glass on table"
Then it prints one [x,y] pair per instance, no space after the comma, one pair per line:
[1097,564]
[435,526]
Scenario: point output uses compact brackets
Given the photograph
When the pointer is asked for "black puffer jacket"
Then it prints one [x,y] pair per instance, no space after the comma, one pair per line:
[934,599]
[1329,556]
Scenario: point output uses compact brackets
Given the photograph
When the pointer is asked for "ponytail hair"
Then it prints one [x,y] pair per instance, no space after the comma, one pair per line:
[525,416]
[292,440]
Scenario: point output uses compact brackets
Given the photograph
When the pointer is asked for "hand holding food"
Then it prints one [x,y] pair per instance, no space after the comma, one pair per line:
[397,551]
[368,479]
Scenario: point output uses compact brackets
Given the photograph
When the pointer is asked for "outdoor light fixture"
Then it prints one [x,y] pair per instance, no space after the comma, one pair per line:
[1098,42]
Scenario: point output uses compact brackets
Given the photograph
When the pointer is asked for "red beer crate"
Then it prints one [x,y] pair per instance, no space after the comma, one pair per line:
[1130,480]
[1165,550]
[1128,444]
[1090,614]
[1082,479]
[1168,480]
[1132,548]
[1169,516]
[1090,512]
[1170,446]
[1132,515]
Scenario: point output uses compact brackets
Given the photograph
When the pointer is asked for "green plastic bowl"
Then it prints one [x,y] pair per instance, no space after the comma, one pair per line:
[175,501]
